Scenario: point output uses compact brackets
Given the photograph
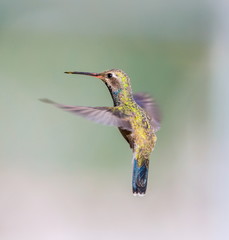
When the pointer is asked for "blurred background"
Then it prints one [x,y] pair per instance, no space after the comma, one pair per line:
[63,177]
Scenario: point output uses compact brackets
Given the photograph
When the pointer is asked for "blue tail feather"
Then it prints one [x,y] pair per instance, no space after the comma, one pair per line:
[139,178]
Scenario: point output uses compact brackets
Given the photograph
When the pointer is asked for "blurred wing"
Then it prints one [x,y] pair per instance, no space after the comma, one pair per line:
[148,104]
[105,115]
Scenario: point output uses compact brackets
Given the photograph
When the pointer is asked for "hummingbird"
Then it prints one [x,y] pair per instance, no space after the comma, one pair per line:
[136,116]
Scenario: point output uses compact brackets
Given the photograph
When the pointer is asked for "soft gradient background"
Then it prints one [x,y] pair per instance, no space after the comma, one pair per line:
[65,178]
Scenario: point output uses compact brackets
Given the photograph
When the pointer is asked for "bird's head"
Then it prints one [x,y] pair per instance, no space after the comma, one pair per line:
[116,80]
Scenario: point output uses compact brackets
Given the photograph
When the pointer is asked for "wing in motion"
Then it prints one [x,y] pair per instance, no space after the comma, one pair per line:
[105,115]
[148,104]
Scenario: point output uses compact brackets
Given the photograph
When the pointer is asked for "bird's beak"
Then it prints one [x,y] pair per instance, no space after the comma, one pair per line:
[97,75]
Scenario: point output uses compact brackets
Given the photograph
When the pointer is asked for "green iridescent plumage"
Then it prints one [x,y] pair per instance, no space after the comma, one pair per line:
[136,116]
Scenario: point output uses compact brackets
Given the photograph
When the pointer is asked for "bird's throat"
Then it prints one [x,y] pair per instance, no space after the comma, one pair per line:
[121,96]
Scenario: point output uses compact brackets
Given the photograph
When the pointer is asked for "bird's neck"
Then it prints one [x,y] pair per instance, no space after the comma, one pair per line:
[121,96]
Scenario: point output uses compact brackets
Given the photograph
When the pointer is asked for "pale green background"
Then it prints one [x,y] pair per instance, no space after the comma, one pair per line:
[63,177]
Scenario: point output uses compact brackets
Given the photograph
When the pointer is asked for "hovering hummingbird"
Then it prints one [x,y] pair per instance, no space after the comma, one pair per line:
[136,116]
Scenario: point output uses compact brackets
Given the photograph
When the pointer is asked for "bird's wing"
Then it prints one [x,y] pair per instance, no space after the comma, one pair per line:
[148,104]
[105,115]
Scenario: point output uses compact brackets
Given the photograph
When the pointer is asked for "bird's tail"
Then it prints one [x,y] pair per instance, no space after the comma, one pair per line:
[139,178]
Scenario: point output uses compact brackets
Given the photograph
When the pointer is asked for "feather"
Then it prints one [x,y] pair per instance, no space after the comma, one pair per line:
[148,104]
[105,115]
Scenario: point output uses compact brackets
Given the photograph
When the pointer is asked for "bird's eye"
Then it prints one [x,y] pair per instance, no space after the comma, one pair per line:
[109,75]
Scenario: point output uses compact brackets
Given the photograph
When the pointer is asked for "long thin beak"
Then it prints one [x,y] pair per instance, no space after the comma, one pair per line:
[85,73]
